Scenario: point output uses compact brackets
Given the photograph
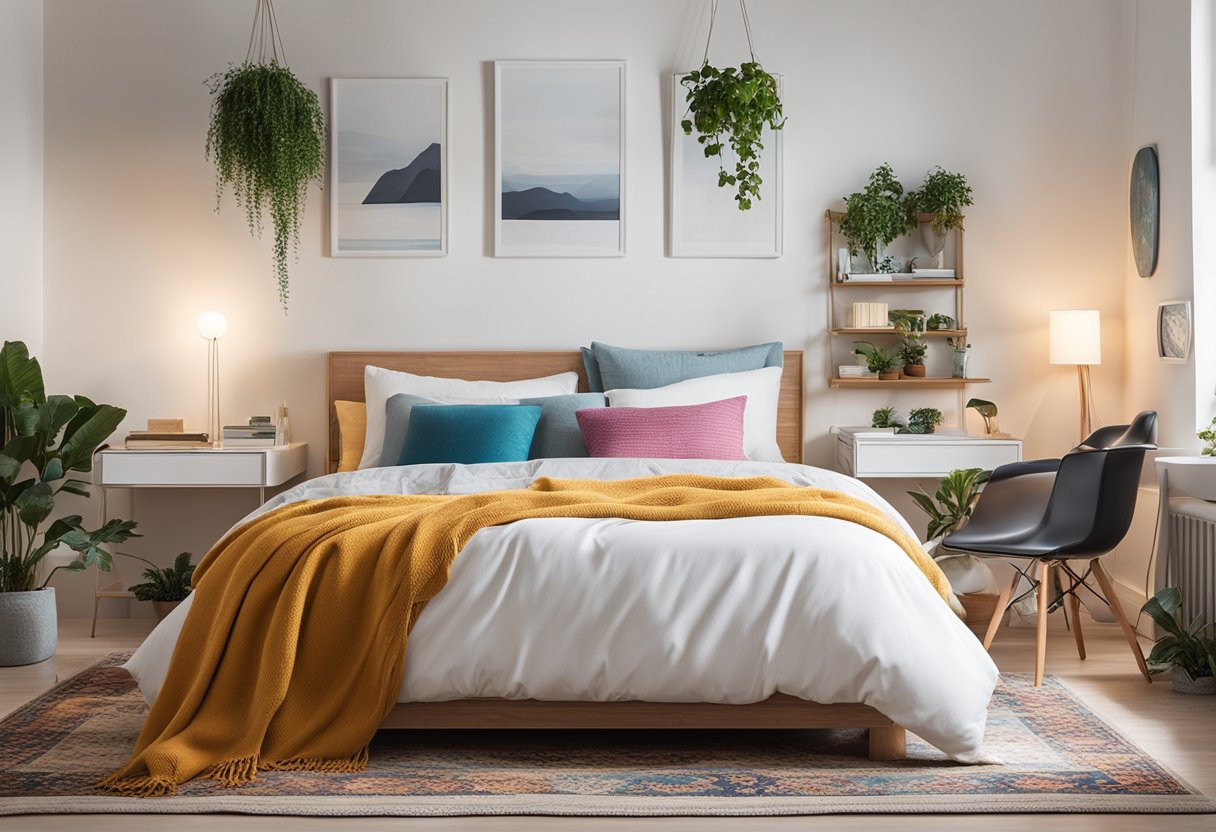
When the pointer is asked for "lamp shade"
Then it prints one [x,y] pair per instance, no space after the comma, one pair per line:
[212,325]
[1076,337]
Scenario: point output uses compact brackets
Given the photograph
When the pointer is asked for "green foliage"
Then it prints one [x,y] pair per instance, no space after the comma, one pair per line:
[1183,646]
[1208,435]
[913,351]
[877,214]
[733,105]
[907,321]
[944,195]
[267,138]
[951,506]
[171,584]
[885,417]
[878,360]
[924,419]
[47,438]
[939,321]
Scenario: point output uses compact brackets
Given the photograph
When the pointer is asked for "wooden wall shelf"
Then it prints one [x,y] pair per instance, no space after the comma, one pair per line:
[939,382]
[924,283]
[928,333]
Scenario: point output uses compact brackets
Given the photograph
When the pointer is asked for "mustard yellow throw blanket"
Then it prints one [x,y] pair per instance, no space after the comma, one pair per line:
[294,649]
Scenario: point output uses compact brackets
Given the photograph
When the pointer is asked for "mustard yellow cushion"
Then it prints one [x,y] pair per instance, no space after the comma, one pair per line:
[352,425]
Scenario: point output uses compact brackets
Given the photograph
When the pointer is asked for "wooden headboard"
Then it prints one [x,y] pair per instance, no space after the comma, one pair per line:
[346,382]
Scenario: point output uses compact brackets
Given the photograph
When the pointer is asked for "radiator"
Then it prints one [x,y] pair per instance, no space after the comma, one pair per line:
[1192,561]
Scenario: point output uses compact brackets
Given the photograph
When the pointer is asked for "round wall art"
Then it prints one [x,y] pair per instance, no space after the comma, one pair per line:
[1145,204]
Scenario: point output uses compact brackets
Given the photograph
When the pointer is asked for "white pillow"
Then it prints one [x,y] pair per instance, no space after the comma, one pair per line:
[762,388]
[379,384]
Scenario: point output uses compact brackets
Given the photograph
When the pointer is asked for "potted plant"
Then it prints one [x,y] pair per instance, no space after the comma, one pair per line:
[733,105]
[1208,435]
[44,440]
[938,322]
[924,419]
[949,509]
[944,195]
[267,139]
[878,360]
[877,215]
[165,588]
[885,417]
[912,353]
[907,321]
[1184,650]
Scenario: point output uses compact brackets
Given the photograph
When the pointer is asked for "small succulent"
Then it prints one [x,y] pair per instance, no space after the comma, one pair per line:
[924,419]
[885,417]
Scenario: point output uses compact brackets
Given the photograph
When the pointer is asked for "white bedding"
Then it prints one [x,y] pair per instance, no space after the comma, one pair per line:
[690,611]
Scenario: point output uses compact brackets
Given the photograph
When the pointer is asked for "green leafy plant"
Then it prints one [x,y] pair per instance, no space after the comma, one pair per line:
[939,321]
[878,360]
[1208,435]
[733,105]
[924,419]
[913,351]
[169,584]
[951,506]
[987,410]
[907,321]
[877,215]
[1183,646]
[945,195]
[267,139]
[885,417]
[43,441]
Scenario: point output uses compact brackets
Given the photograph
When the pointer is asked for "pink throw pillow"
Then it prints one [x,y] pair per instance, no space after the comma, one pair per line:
[713,430]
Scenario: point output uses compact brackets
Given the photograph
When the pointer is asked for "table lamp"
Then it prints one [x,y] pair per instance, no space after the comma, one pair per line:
[1076,338]
[212,326]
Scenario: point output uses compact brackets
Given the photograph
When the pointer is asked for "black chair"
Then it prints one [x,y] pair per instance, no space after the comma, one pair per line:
[1056,512]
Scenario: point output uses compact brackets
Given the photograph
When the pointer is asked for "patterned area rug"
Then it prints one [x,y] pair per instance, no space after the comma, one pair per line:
[1057,756]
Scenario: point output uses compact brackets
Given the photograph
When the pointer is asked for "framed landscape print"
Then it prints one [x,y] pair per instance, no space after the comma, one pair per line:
[388,167]
[559,158]
[1174,331]
[705,220]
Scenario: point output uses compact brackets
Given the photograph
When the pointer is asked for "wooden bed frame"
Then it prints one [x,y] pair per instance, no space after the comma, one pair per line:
[886,739]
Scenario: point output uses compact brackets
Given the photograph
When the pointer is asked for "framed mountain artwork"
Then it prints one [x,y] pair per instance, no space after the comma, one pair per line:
[388,194]
[559,158]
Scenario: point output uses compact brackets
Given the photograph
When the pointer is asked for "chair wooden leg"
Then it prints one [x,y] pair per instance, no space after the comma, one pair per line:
[1074,612]
[1108,590]
[93,631]
[999,612]
[1056,582]
[1040,644]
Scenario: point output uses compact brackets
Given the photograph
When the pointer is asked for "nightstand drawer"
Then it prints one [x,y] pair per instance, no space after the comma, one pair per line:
[204,468]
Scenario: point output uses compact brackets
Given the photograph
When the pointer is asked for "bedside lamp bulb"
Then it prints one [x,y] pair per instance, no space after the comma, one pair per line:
[212,325]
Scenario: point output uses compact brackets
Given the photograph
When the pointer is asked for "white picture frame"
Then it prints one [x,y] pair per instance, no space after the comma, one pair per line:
[559,147]
[388,144]
[703,219]
[1174,331]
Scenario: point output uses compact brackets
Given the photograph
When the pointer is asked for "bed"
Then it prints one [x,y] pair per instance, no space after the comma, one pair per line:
[934,677]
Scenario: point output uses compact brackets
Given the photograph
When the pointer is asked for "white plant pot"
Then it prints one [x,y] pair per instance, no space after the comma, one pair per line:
[1185,684]
[29,630]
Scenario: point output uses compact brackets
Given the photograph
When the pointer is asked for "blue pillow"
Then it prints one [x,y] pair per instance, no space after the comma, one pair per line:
[617,368]
[469,433]
[557,432]
[397,423]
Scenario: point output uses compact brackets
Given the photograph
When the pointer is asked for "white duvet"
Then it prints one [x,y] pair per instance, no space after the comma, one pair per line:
[725,611]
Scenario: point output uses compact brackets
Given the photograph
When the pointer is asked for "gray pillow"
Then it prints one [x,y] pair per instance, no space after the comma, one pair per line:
[617,368]
[557,433]
[397,425]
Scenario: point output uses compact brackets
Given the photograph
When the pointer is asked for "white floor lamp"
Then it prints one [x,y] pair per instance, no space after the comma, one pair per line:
[1076,338]
[212,326]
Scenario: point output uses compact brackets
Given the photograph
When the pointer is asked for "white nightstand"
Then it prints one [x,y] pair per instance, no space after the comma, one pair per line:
[259,468]
[918,455]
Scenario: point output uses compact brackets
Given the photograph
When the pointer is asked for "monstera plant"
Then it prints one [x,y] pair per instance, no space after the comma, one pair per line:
[44,441]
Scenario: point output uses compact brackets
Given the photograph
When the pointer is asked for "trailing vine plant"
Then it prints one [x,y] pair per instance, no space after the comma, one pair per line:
[267,139]
[733,106]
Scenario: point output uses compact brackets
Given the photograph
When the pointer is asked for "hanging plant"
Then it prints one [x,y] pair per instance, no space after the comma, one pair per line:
[267,139]
[733,106]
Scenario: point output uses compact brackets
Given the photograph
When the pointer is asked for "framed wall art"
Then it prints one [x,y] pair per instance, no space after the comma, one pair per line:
[705,220]
[1174,331]
[559,158]
[388,167]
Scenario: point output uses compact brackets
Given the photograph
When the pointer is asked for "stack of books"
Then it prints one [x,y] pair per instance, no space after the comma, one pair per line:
[259,433]
[855,371]
[871,316]
[166,440]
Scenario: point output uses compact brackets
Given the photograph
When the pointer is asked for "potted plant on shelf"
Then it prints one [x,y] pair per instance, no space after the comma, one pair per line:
[878,360]
[885,417]
[949,509]
[1184,650]
[912,353]
[938,322]
[44,440]
[167,587]
[944,195]
[876,215]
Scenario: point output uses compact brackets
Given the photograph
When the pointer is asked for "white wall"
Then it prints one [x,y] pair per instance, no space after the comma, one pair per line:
[21,172]
[1026,98]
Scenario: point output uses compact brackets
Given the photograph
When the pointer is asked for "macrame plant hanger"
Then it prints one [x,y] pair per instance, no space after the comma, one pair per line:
[265,33]
[747,28]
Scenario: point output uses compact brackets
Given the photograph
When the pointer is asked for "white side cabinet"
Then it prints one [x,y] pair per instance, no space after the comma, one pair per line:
[912,455]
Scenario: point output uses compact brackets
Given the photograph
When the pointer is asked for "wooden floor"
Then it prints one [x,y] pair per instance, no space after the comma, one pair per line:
[1177,729]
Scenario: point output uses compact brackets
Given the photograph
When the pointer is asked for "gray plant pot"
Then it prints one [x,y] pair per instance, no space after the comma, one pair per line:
[1185,684]
[29,630]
